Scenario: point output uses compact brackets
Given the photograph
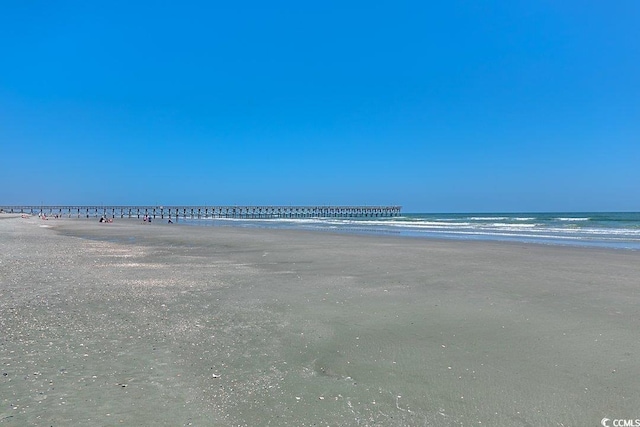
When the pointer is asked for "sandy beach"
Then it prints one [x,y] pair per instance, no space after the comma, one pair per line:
[155,324]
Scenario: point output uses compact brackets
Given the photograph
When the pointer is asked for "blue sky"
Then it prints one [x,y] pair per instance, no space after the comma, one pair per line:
[449,106]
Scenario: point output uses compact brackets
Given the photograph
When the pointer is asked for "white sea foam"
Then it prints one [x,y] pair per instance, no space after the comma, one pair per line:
[487,218]
[392,223]
[500,224]
[544,228]
[430,225]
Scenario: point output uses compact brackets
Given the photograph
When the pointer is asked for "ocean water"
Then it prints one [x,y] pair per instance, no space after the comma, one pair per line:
[619,230]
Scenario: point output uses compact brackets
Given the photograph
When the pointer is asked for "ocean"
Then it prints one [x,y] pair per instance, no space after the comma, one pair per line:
[620,230]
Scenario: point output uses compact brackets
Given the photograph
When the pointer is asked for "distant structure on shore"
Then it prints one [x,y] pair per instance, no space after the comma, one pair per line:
[200,212]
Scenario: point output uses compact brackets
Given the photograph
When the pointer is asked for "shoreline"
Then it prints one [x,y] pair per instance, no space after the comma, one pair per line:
[165,325]
[452,235]
[387,228]
[359,233]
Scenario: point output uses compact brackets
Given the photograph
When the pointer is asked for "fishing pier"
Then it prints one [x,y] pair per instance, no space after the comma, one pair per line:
[205,212]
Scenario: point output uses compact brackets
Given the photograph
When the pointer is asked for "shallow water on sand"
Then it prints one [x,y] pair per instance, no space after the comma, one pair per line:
[620,230]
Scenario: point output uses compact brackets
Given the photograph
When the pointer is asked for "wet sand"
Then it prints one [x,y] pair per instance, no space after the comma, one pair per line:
[155,324]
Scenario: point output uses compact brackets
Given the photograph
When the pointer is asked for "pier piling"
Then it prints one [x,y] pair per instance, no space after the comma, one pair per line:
[199,212]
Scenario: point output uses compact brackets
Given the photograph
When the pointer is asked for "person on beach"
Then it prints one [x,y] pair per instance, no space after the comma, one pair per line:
[170,222]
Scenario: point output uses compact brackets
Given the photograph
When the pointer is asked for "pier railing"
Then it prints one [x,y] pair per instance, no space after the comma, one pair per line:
[200,212]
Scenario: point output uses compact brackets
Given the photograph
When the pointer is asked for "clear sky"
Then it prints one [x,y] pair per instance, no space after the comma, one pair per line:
[442,106]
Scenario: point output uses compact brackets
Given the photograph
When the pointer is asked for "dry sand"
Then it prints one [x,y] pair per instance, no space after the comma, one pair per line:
[155,324]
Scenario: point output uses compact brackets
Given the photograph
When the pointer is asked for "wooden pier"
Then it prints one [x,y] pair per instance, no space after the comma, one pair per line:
[204,212]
